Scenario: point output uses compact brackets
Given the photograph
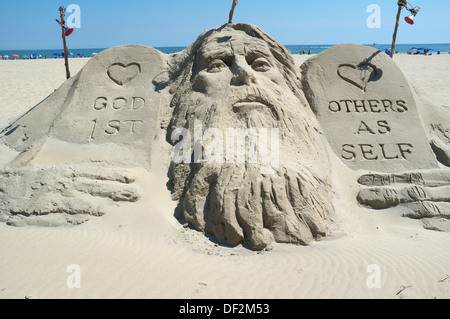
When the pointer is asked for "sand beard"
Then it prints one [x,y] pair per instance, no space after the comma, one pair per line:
[238,203]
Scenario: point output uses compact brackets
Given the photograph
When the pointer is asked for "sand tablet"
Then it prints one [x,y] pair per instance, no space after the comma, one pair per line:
[367,109]
[111,101]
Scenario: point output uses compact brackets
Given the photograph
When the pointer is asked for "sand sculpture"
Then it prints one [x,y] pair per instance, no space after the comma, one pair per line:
[365,106]
[239,77]
[95,126]
[272,185]
[372,122]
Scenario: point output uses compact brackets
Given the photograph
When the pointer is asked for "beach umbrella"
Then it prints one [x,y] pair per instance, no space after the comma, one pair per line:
[15,56]
[6,56]
[94,53]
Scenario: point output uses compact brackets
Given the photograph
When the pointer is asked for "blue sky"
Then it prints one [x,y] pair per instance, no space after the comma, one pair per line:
[30,24]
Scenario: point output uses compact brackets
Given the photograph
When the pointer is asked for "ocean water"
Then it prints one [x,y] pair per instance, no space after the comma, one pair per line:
[295,49]
[401,48]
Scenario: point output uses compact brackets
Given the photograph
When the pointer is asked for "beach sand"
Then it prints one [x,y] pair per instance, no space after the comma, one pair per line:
[139,250]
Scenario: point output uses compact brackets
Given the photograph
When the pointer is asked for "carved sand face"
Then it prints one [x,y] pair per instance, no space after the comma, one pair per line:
[237,82]
[241,75]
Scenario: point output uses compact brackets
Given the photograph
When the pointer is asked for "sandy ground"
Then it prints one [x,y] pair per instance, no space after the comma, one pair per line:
[139,250]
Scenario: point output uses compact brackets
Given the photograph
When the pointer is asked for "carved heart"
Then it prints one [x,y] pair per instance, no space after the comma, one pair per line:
[359,75]
[122,74]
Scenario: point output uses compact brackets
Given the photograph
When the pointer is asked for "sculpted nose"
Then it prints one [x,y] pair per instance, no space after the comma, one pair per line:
[242,73]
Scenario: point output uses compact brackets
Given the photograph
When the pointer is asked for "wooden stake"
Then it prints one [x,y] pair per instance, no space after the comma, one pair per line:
[66,50]
[394,37]
[235,3]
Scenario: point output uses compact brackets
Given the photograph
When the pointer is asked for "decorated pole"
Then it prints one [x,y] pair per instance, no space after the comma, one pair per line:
[235,3]
[65,32]
[401,5]
[410,20]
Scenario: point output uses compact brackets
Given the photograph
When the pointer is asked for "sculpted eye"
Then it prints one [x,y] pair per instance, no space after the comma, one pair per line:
[261,65]
[216,66]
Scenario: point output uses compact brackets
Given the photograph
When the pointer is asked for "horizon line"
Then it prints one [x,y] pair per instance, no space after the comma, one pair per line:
[184,46]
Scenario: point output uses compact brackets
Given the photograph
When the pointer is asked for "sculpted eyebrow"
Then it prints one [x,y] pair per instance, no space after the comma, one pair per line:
[206,56]
[258,51]
[219,53]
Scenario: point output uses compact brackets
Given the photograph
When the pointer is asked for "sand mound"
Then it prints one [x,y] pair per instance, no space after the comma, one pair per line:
[81,149]
[74,148]
[111,113]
